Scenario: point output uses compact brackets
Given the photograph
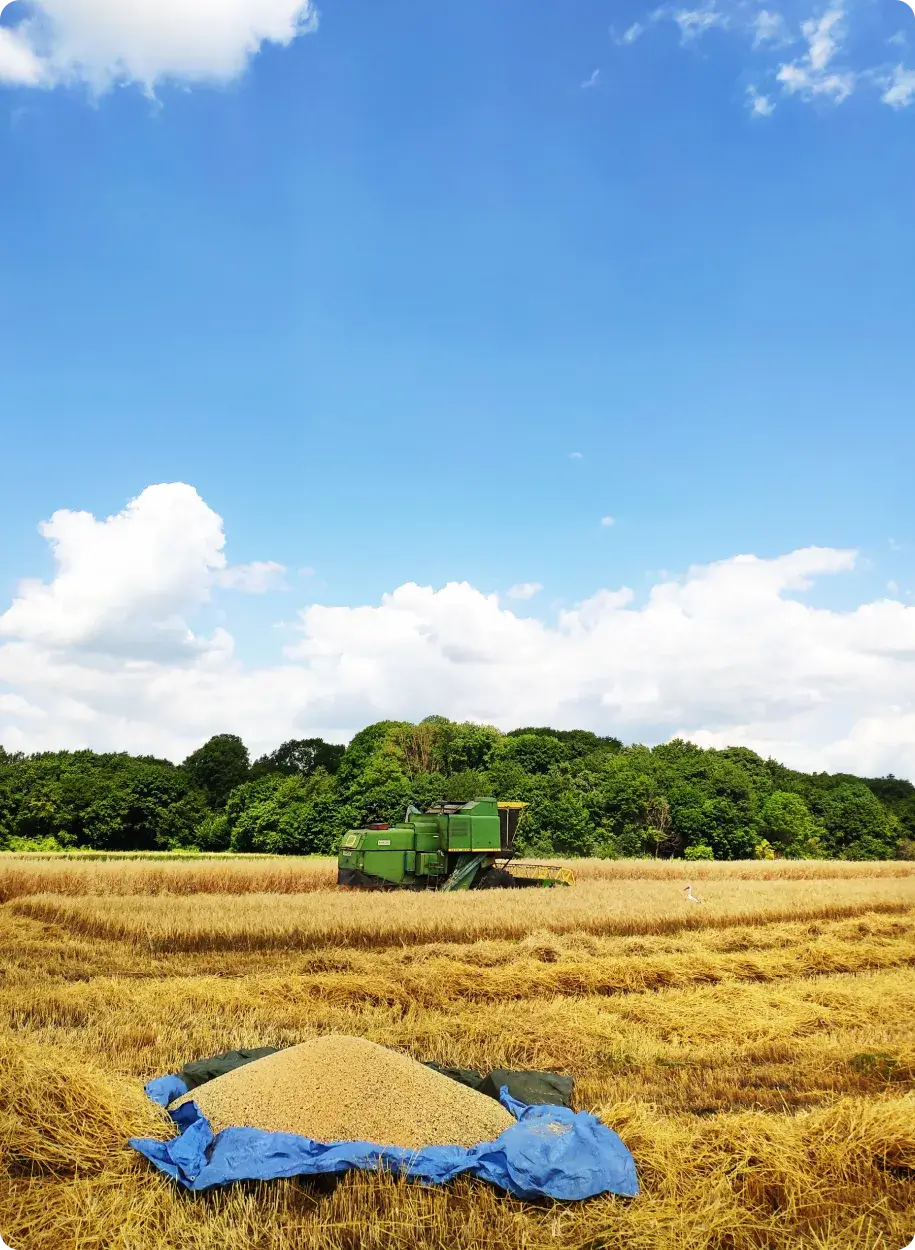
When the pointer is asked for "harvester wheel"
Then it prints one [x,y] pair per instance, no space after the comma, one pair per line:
[496,879]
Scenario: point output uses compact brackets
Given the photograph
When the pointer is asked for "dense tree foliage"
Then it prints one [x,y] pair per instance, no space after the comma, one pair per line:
[300,755]
[218,767]
[586,795]
[107,802]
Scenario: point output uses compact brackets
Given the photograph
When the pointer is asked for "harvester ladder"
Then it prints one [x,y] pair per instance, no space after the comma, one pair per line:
[463,876]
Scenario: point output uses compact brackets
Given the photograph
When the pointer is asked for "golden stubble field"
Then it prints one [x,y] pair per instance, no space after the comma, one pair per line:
[755,1052]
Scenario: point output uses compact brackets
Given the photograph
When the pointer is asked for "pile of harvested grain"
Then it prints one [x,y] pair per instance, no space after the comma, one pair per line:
[338,1088]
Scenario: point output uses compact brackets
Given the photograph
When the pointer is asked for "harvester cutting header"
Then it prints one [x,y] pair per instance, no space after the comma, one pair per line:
[451,846]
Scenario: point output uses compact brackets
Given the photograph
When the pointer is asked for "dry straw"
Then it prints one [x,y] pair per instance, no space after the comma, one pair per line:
[21,875]
[348,918]
[760,1066]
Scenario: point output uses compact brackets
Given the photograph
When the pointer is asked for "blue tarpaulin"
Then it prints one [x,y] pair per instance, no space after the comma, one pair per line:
[550,1152]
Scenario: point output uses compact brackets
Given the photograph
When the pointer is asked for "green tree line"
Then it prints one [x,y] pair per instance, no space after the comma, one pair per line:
[586,795]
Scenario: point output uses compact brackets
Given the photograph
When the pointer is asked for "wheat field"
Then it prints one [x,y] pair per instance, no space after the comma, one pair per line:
[133,873]
[755,1052]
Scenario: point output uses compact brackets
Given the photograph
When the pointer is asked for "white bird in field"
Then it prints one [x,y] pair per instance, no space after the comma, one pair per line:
[690,898]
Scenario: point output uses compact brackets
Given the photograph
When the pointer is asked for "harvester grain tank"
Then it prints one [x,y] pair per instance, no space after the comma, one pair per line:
[451,846]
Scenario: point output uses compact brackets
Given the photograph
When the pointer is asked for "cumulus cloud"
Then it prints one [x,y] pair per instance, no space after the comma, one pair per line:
[631,33]
[768,27]
[524,590]
[255,578]
[15,705]
[695,22]
[899,87]
[760,105]
[730,652]
[102,42]
[607,521]
[823,37]
[125,584]
[810,75]
[831,63]
[18,64]
[575,455]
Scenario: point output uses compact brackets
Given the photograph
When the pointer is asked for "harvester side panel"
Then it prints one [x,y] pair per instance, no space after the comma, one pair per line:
[391,865]
[459,833]
[429,864]
[485,833]
[394,838]
[428,835]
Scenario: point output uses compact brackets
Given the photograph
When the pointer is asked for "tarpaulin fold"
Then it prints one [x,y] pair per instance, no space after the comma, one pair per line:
[528,1086]
[550,1152]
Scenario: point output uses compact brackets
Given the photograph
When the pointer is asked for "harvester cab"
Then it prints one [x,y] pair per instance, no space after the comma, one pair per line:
[451,846]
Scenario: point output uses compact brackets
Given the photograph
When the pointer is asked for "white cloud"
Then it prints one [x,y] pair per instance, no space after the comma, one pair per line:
[692,22]
[695,22]
[768,27]
[631,33]
[575,455]
[730,652]
[592,81]
[18,64]
[899,88]
[893,588]
[823,37]
[124,584]
[607,521]
[524,590]
[799,78]
[15,705]
[255,578]
[102,42]
[831,68]
[808,75]
[760,105]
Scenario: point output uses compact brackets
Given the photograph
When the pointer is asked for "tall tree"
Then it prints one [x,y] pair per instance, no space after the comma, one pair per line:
[788,824]
[218,767]
[857,824]
[300,755]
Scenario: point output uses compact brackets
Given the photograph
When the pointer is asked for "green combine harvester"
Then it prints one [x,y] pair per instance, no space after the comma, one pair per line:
[452,846]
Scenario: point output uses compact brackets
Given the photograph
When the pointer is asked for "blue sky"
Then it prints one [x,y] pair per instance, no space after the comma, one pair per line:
[369,289]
